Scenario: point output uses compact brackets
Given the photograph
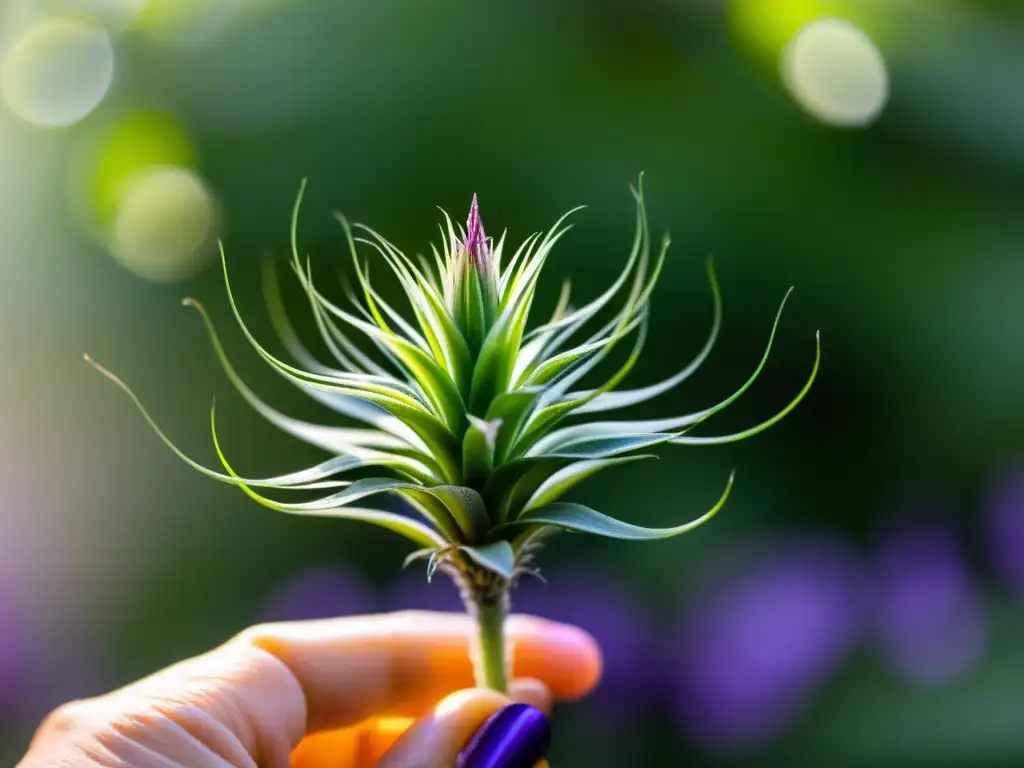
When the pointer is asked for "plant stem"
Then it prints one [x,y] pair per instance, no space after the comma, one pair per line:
[485,596]
[491,658]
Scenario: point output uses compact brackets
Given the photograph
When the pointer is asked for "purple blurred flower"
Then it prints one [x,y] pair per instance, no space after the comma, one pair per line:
[930,620]
[320,593]
[45,658]
[14,647]
[615,616]
[1004,525]
[759,642]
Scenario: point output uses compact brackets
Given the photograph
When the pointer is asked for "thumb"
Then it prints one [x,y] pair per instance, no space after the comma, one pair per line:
[441,736]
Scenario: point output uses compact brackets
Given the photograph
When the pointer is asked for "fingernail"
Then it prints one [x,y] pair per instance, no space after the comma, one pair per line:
[517,736]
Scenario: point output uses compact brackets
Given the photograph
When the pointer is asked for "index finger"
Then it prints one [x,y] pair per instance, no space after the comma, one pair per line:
[401,664]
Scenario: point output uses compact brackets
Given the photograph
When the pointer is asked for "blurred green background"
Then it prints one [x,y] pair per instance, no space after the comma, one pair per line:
[859,601]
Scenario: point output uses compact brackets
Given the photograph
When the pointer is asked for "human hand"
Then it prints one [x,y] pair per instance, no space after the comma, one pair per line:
[321,694]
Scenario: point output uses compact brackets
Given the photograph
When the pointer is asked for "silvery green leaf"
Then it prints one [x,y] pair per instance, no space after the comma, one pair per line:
[427,504]
[311,478]
[568,477]
[434,380]
[444,398]
[493,371]
[497,557]
[369,387]
[523,252]
[378,307]
[555,367]
[534,343]
[411,529]
[560,331]
[432,563]
[512,409]
[576,517]
[687,440]
[478,448]
[335,439]
[557,332]
[508,479]
[544,419]
[609,401]
[595,444]
[437,324]
[442,445]
[500,486]
[465,505]
[605,429]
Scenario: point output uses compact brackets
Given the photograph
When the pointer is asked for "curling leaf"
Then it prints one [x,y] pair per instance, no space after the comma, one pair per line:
[609,401]
[311,478]
[400,524]
[574,474]
[576,517]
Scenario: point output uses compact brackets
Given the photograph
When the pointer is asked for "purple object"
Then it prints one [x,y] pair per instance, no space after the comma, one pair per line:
[614,615]
[930,621]
[1004,526]
[517,736]
[762,638]
[322,592]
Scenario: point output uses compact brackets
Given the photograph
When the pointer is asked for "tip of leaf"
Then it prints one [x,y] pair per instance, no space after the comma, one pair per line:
[91,361]
[638,190]
[105,371]
[195,304]
[419,554]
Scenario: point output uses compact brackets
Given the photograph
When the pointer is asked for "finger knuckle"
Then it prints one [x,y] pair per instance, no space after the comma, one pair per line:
[67,719]
[255,635]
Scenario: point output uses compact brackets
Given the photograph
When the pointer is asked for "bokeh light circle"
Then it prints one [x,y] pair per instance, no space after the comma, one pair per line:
[165,225]
[836,73]
[57,72]
[109,160]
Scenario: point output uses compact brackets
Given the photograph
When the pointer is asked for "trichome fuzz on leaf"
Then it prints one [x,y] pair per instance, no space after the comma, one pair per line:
[479,420]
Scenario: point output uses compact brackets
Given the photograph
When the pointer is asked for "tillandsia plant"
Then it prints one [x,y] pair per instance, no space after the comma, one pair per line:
[477,421]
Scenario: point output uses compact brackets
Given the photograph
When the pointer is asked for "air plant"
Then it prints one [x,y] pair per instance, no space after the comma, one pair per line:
[476,421]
